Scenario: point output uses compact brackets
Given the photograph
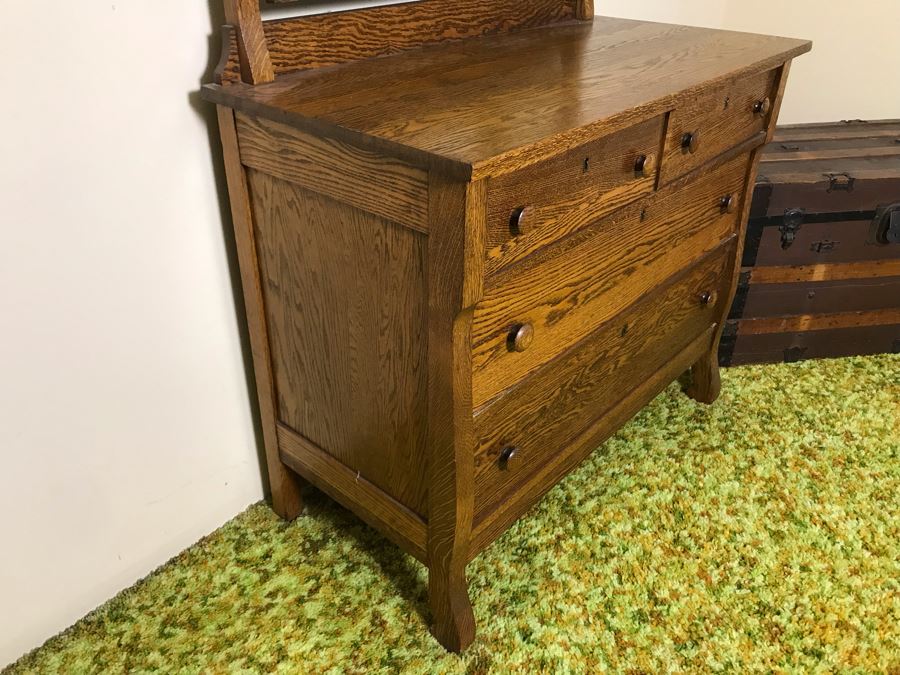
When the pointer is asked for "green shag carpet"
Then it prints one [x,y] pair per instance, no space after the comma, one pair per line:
[759,534]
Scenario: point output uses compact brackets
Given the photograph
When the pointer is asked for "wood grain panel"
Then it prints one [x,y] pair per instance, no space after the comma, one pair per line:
[365,179]
[321,40]
[559,401]
[378,509]
[569,191]
[517,504]
[721,118]
[345,295]
[567,290]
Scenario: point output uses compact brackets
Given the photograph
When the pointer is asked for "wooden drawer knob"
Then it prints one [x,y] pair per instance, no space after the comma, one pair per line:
[509,458]
[520,337]
[708,298]
[690,141]
[728,203]
[763,107]
[645,165]
[520,220]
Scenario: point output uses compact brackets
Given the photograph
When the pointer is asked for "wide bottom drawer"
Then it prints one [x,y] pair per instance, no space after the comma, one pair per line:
[528,425]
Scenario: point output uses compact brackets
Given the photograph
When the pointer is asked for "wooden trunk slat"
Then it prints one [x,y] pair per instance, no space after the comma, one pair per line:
[843,131]
[804,322]
[812,344]
[820,297]
[842,241]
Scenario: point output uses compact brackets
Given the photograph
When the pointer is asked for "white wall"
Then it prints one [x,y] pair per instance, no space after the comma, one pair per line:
[707,13]
[125,424]
[854,68]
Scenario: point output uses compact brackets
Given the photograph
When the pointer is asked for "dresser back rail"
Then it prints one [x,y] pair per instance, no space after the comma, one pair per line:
[256,51]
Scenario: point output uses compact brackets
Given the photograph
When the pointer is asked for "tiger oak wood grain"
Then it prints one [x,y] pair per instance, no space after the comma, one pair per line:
[544,413]
[321,40]
[568,191]
[253,64]
[385,187]
[284,485]
[602,269]
[413,330]
[403,527]
[488,529]
[346,308]
[720,118]
[455,279]
[557,87]
[706,384]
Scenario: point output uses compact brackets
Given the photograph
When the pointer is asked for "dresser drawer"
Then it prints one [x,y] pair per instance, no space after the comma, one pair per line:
[542,203]
[534,310]
[529,425]
[711,124]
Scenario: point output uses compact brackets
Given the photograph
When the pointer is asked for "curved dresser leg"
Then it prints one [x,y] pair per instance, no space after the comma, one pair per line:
[453,623]
[705,381]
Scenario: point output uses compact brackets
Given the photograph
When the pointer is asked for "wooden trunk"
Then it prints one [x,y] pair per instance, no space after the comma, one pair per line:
[820,274]
[465,266]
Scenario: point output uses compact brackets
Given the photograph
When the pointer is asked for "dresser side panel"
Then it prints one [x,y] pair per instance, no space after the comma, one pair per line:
[345,296]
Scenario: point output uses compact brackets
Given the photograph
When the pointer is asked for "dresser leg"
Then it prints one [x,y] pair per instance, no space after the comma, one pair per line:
[705,381]
[287,500]
[453,623]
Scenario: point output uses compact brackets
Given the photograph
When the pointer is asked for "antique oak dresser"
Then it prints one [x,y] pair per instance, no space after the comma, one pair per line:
[476,237]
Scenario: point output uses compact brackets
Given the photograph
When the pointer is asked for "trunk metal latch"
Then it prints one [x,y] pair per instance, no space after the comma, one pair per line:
[793,219]
[886,225]
[840,181]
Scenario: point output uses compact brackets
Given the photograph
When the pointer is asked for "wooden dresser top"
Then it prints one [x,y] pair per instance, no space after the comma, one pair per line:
[485,105]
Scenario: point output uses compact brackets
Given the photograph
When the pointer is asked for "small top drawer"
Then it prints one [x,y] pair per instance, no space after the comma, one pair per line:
[543,202]
[715,122]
